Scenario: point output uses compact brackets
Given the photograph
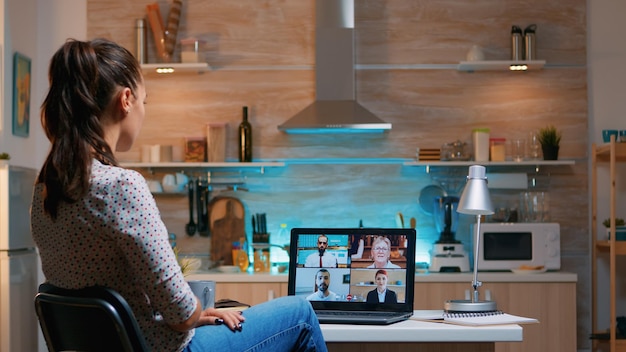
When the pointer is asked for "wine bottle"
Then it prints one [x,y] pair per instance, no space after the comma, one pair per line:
[245,138]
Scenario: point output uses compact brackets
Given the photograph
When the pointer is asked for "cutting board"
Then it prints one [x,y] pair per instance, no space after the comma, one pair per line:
[227,224]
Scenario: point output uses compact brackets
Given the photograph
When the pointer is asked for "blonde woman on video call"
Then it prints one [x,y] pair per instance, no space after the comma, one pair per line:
[381,252]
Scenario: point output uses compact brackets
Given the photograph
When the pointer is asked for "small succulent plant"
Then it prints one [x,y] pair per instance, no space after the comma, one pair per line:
[618,222]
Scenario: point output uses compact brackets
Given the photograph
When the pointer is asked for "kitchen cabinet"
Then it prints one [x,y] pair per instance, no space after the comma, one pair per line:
[610,153]
[552,303]
[548,297]
[250,293]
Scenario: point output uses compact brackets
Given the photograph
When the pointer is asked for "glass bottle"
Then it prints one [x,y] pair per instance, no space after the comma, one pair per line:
[245,138]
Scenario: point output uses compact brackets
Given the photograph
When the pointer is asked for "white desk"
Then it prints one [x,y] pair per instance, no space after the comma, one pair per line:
[412,335]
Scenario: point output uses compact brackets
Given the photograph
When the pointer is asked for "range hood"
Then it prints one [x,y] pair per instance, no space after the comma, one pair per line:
[335,109]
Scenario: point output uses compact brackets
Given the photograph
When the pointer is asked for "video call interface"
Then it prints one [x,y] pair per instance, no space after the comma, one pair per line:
[351,268]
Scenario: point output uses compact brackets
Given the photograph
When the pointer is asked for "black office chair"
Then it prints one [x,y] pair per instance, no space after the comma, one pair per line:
[91,319]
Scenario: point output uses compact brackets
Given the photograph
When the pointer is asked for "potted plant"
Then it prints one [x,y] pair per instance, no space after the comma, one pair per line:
[620,229]
[550,138]
[4,157]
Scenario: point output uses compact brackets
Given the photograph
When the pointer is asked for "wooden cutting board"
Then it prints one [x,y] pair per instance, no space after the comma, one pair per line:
[227,224]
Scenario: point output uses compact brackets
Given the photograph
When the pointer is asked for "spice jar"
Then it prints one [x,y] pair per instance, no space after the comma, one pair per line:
[497,149]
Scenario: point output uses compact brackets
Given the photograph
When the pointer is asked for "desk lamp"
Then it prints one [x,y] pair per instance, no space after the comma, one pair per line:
[474,200]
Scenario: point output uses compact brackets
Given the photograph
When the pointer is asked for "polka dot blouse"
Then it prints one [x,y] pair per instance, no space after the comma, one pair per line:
[114,237]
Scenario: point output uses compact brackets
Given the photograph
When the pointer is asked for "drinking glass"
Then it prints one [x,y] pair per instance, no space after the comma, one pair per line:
[534,147]
[518,149]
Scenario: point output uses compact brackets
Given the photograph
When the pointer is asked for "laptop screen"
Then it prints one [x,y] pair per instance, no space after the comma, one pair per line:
[353,269]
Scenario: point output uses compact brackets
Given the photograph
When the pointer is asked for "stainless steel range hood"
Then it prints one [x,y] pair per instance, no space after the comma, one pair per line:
[335,109]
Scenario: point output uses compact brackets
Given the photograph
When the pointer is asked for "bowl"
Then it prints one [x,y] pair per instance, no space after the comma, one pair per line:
[228,268]
[174,188]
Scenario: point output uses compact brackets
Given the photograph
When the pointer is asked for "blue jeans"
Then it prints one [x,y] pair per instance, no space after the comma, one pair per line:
[282,324]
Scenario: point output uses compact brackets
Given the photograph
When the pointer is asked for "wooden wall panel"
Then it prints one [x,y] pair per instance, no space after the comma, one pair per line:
[262,56]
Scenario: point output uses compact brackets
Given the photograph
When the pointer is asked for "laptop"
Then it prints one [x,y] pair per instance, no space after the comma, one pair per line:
[354,275]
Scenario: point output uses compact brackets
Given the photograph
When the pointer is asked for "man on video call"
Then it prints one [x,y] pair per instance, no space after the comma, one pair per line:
[322,282]
[322,259]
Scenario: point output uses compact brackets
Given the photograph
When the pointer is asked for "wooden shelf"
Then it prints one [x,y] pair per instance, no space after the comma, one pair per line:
[503,65]
[605,246]
[603,152]
[492,163]
[201,166]
[170,68]
[610,154]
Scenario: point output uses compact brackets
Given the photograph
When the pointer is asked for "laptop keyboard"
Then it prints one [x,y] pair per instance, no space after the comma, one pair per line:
[357,313]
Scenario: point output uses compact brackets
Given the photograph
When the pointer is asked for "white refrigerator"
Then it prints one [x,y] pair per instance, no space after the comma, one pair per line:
[18,262]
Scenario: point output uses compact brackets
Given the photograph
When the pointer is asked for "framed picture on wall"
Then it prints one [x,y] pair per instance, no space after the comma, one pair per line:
[21,95]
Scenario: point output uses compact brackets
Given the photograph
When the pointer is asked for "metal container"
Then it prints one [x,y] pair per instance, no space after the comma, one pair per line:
[141,42]
[530,42]
[517,44]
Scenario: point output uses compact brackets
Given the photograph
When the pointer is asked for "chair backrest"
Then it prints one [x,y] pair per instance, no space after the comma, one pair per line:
[91,319]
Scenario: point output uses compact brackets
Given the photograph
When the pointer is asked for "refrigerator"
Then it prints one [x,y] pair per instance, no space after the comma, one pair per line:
[18,262]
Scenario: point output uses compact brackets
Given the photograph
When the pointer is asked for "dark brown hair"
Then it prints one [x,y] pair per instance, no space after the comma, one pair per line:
[84,78]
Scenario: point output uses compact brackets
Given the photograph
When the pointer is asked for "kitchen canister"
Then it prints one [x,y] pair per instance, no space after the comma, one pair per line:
[480,139]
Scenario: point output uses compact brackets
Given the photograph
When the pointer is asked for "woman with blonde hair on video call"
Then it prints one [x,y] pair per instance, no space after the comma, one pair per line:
[381,252]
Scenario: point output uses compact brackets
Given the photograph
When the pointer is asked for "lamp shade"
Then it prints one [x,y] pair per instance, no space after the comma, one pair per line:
[475,199]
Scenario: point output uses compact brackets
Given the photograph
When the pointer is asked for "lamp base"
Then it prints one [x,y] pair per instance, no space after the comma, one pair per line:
[466,305]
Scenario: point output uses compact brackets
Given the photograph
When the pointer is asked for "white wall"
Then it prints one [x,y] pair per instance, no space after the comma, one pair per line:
[35,28]
[57,21]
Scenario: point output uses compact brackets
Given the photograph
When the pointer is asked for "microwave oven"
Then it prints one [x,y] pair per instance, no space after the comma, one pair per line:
[506,246]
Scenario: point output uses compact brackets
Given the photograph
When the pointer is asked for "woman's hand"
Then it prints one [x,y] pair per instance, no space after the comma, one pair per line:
[231,318]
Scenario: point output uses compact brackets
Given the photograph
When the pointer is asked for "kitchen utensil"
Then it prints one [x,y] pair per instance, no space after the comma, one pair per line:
[226,225]
[400,220]
[202,194]
[190,228]
[428,194]
[413,223]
